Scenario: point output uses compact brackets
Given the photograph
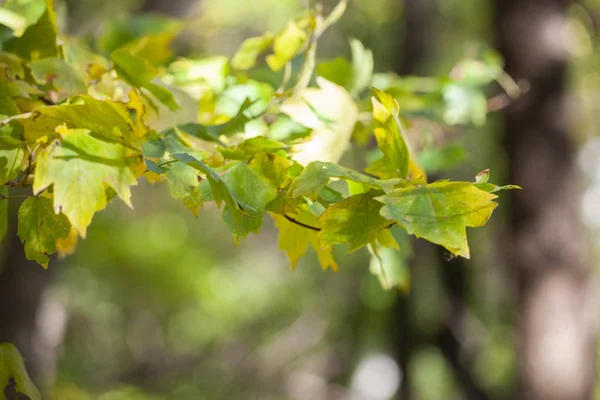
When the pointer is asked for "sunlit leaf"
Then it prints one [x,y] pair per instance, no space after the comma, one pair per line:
[362,67]
[80,167]
[396,157]
[286,45]
[440,212]
[251,48]
[66,246]
[106,120]
[294,239]
[331,113]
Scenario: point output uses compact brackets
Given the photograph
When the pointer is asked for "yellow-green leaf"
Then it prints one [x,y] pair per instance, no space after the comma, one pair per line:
[294,239]
[140,74]
[39,227]
[440,212]
[245,57]
[107,120]
[80,167]
[65,78]
[396,158]
[286,45]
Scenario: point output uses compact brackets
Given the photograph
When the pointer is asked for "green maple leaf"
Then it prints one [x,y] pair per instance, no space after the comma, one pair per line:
[317,174]
[184,183]
[67,80]
[355,220]
[440,212]
[295,239]
[79,167]
[39,227]
[140,74]
[107,120]
[12,152]
[221,193]
[274,168]
[253,192]
[13,368]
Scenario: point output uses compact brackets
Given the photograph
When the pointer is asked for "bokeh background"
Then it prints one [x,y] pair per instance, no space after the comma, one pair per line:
[157,304]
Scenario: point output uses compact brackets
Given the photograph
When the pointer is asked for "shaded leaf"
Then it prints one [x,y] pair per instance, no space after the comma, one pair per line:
[39,227]
[220,191]
[63,76]
[253,192]
[355,221]
[13,371]
[139,73]
[12,153]
[184,183]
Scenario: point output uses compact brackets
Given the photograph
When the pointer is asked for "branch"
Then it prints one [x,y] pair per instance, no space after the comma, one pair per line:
[314,228]
[294,221]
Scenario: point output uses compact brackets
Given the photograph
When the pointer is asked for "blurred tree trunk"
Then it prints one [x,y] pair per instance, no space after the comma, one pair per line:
[23,313]
[557,343]
[175,8]
[418,20]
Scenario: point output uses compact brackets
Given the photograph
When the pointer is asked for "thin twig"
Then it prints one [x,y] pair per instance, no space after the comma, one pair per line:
[293,221]
[314,228]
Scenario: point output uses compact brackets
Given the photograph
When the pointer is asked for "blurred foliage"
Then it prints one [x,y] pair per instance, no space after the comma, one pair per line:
[160,306]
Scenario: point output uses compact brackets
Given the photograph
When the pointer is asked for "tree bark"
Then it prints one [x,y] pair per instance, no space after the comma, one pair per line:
[556,322]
